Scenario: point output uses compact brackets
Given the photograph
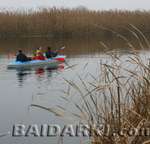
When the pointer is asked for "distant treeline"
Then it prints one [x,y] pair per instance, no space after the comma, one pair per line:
[53,22]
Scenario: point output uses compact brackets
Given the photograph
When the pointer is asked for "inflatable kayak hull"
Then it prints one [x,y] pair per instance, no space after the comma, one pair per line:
[33,64]
[60,58]
[50,63]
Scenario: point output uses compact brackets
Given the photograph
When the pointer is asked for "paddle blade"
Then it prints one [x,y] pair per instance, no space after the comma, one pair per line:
[62,48]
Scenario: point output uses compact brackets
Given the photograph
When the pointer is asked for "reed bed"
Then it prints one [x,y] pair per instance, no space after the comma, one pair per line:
[118,98]
[54,22]
[125,102]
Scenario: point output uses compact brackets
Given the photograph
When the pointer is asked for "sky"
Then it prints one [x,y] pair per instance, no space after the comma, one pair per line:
[90,4]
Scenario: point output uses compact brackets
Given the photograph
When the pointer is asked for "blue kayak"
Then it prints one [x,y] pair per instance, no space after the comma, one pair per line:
[50,63]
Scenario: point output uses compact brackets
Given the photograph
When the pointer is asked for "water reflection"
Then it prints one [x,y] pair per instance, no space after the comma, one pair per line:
[74,47]
[21,76]
[40,73]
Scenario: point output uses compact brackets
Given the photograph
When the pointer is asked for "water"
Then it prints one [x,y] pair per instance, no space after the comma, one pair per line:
[20,89]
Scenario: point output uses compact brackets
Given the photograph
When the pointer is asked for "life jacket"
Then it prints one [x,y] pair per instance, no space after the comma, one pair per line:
[40,57]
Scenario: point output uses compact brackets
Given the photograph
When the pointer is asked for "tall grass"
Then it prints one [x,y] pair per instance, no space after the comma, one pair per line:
[118,98]
[126,101]
[53,22]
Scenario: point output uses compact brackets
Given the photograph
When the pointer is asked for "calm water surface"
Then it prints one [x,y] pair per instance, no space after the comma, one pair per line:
[20,89]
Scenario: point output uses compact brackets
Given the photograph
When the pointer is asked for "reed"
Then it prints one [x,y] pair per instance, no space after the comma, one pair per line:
[118,98]
[54,22]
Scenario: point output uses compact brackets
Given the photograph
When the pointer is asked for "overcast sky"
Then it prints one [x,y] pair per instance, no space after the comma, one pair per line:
[91,4]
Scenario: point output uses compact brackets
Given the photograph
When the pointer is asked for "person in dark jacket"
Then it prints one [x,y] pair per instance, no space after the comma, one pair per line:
[49,53]
[21,57]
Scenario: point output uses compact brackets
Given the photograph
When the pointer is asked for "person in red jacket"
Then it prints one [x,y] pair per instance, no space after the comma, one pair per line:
[39,55]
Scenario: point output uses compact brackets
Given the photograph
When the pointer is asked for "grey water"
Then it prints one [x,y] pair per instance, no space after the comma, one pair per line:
[45,87]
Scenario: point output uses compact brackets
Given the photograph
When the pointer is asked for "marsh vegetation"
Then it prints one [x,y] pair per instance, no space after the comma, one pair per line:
[53,22]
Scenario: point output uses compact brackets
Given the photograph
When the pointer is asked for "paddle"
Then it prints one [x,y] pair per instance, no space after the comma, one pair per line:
[62,48]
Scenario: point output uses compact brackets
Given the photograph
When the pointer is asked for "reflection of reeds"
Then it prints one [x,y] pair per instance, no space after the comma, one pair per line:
[67,22]
[119,98]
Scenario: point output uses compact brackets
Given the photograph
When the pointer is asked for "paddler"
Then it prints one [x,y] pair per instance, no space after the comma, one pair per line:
[21,57]
[49,53]
[39,55]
